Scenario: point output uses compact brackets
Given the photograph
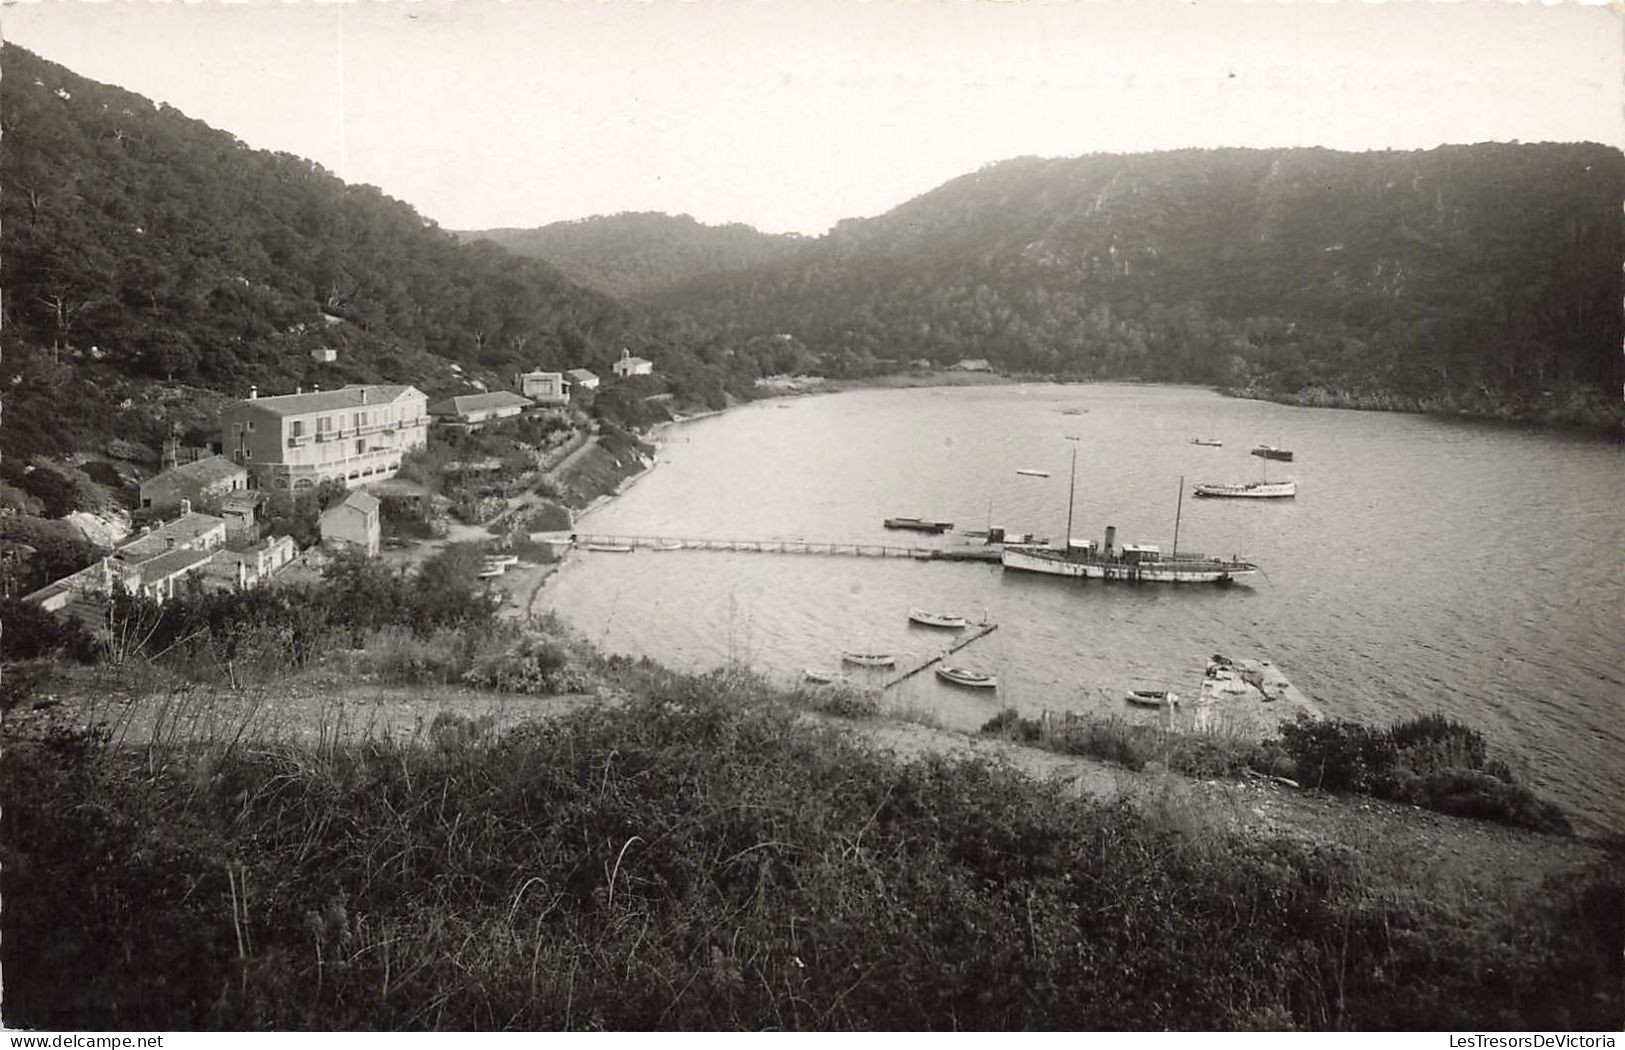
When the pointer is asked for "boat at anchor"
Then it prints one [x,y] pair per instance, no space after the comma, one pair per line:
[1136,562]
[1248,490]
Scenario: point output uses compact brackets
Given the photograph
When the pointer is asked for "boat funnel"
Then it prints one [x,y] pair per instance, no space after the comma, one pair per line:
[995,534]
[1111,539]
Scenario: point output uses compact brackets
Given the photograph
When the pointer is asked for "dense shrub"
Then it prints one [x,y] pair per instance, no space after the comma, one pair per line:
[28,632]
[1429,761]
[1338,755]
[842,701]
[532,664]
[50,550]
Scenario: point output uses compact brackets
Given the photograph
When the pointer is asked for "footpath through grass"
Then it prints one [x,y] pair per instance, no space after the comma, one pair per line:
[699,858]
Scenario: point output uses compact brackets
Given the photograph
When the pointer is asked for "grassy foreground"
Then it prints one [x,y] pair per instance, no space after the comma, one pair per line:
[700,857]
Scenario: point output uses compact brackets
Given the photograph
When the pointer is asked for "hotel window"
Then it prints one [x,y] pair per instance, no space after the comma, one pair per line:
[296,428]
[324,424]
[360,419]
[249,425]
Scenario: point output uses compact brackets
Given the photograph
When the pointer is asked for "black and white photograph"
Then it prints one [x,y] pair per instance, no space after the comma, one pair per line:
[812,516]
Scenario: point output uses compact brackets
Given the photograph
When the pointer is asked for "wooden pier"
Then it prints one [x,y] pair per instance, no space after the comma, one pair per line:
[824,547]
[980,630]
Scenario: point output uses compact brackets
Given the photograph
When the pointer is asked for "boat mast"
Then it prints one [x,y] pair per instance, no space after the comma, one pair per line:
[1071,492]
[1180,506]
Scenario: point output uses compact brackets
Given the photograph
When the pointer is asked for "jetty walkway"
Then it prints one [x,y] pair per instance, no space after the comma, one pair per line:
[825,547]
[981,630]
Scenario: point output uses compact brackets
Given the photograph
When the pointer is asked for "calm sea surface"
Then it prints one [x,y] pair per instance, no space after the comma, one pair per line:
[1426,565]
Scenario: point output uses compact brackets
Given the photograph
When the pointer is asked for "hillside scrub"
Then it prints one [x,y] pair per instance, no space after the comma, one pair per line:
[1430,761]
[695,858]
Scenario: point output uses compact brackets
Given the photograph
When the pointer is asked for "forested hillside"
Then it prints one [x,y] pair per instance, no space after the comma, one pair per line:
[141,245]
[1483,277]
[145,252]
[638,253]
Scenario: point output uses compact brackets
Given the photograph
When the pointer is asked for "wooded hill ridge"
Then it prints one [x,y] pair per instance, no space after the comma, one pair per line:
[1483,278]
[635,254]
[1485,275]
[144,248]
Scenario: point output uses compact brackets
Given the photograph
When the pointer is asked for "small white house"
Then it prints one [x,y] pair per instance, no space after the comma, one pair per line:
[544,388]
[581,379]
[354,523]
[474,409]
[632,366]
[324,356]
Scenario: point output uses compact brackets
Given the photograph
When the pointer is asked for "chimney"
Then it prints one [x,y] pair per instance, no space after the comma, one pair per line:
[363,395]
[186,507]
[1111,538]
[253,393]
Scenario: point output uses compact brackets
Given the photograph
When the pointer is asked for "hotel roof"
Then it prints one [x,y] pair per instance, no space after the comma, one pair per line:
[357,395]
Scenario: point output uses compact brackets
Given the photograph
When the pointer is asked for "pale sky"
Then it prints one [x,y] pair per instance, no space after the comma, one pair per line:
[792,114]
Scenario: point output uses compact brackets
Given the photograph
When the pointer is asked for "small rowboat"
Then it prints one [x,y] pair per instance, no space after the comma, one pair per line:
[1151,698]
[506,561]
[1033,473]
[490,571]
[818,676]
[969,679]
[1271,452]
[870,659]
[674,545]
[610,548]
[931,619]
[1208,442]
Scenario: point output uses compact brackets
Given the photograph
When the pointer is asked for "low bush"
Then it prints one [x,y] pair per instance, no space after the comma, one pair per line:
[532,664]
[1431,761]
[1337,755]
[842,701]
